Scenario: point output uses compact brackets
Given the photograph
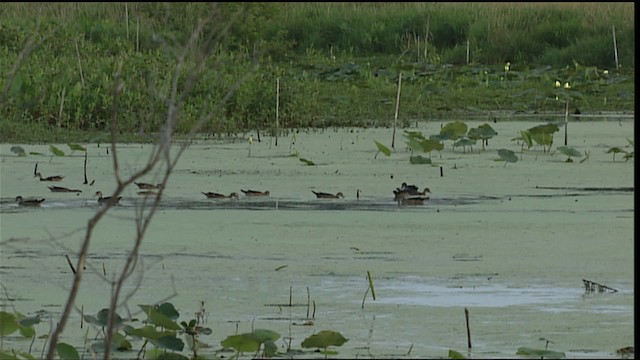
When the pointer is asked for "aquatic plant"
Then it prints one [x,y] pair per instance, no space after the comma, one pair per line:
[569,152]
[615,150]
[507,156]
[381,149]
[483,133]
[252,342]
[324,339]
[543,135]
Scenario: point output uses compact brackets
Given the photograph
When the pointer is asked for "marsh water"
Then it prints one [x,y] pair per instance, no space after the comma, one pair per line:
[512,244]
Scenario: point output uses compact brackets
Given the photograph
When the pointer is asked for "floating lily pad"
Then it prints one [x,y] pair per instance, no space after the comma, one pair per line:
[569,151]
[507,155]
[541,353]
[324,339]
[18,150]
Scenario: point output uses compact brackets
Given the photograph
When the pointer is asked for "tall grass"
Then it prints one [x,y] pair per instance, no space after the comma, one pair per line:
[338,62]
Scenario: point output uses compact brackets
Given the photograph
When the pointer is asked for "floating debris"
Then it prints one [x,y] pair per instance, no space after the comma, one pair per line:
[591,287]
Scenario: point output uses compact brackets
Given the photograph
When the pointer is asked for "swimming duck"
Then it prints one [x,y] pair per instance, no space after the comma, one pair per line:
[401,193]
[30,202]
[413,200]
[108,199]
[50,178]
[323,195]
[213,195]
[63,189]
[255,193]
[147,186]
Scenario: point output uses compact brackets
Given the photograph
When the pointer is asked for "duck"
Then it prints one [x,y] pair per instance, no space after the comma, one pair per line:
[31,202]
[50,178]
[147,186]
[63,189]
[255,193]
[213,195]
[323,195]
[401,193]
[413,200]
[108,199]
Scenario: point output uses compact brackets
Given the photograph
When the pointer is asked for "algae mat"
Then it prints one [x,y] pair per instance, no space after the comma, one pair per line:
[512,244]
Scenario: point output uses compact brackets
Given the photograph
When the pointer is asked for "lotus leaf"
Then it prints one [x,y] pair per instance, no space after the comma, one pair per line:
[324,339]
[419,160]
[507,156]
[56,151]
[383,149]
[241,343]
[454,130]
[18,150]
[66,351]
[569,151]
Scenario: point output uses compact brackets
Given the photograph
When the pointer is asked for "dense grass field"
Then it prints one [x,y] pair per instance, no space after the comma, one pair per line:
[337,64]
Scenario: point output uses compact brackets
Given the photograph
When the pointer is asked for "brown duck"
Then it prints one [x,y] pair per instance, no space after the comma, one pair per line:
[147,186]
[407,191]
[255,193]
[413,200]
[323,195]
[31,202]
[108,199]
[213,195]
[63,189]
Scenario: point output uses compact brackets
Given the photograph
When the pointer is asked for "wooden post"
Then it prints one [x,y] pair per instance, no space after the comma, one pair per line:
[138,35]
[126,17]
[566,120]
[466,315]
[426,40]
[395,120]
[615,47]
[277,107]
[64,90]
[467,51]
[79,64]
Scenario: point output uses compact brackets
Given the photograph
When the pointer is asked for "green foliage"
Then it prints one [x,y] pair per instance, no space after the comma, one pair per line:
[417,159]
[56,151]
[67,352]
[18,150]
[251,342]
[382,149]
[455,355]
[8,323]
[483,133]
[453,130]
[507,156]
[615,150]
[569,152]
[324,339]
[464,142]
[543,134]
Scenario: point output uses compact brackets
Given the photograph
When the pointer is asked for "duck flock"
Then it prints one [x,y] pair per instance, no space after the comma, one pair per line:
[403,195]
